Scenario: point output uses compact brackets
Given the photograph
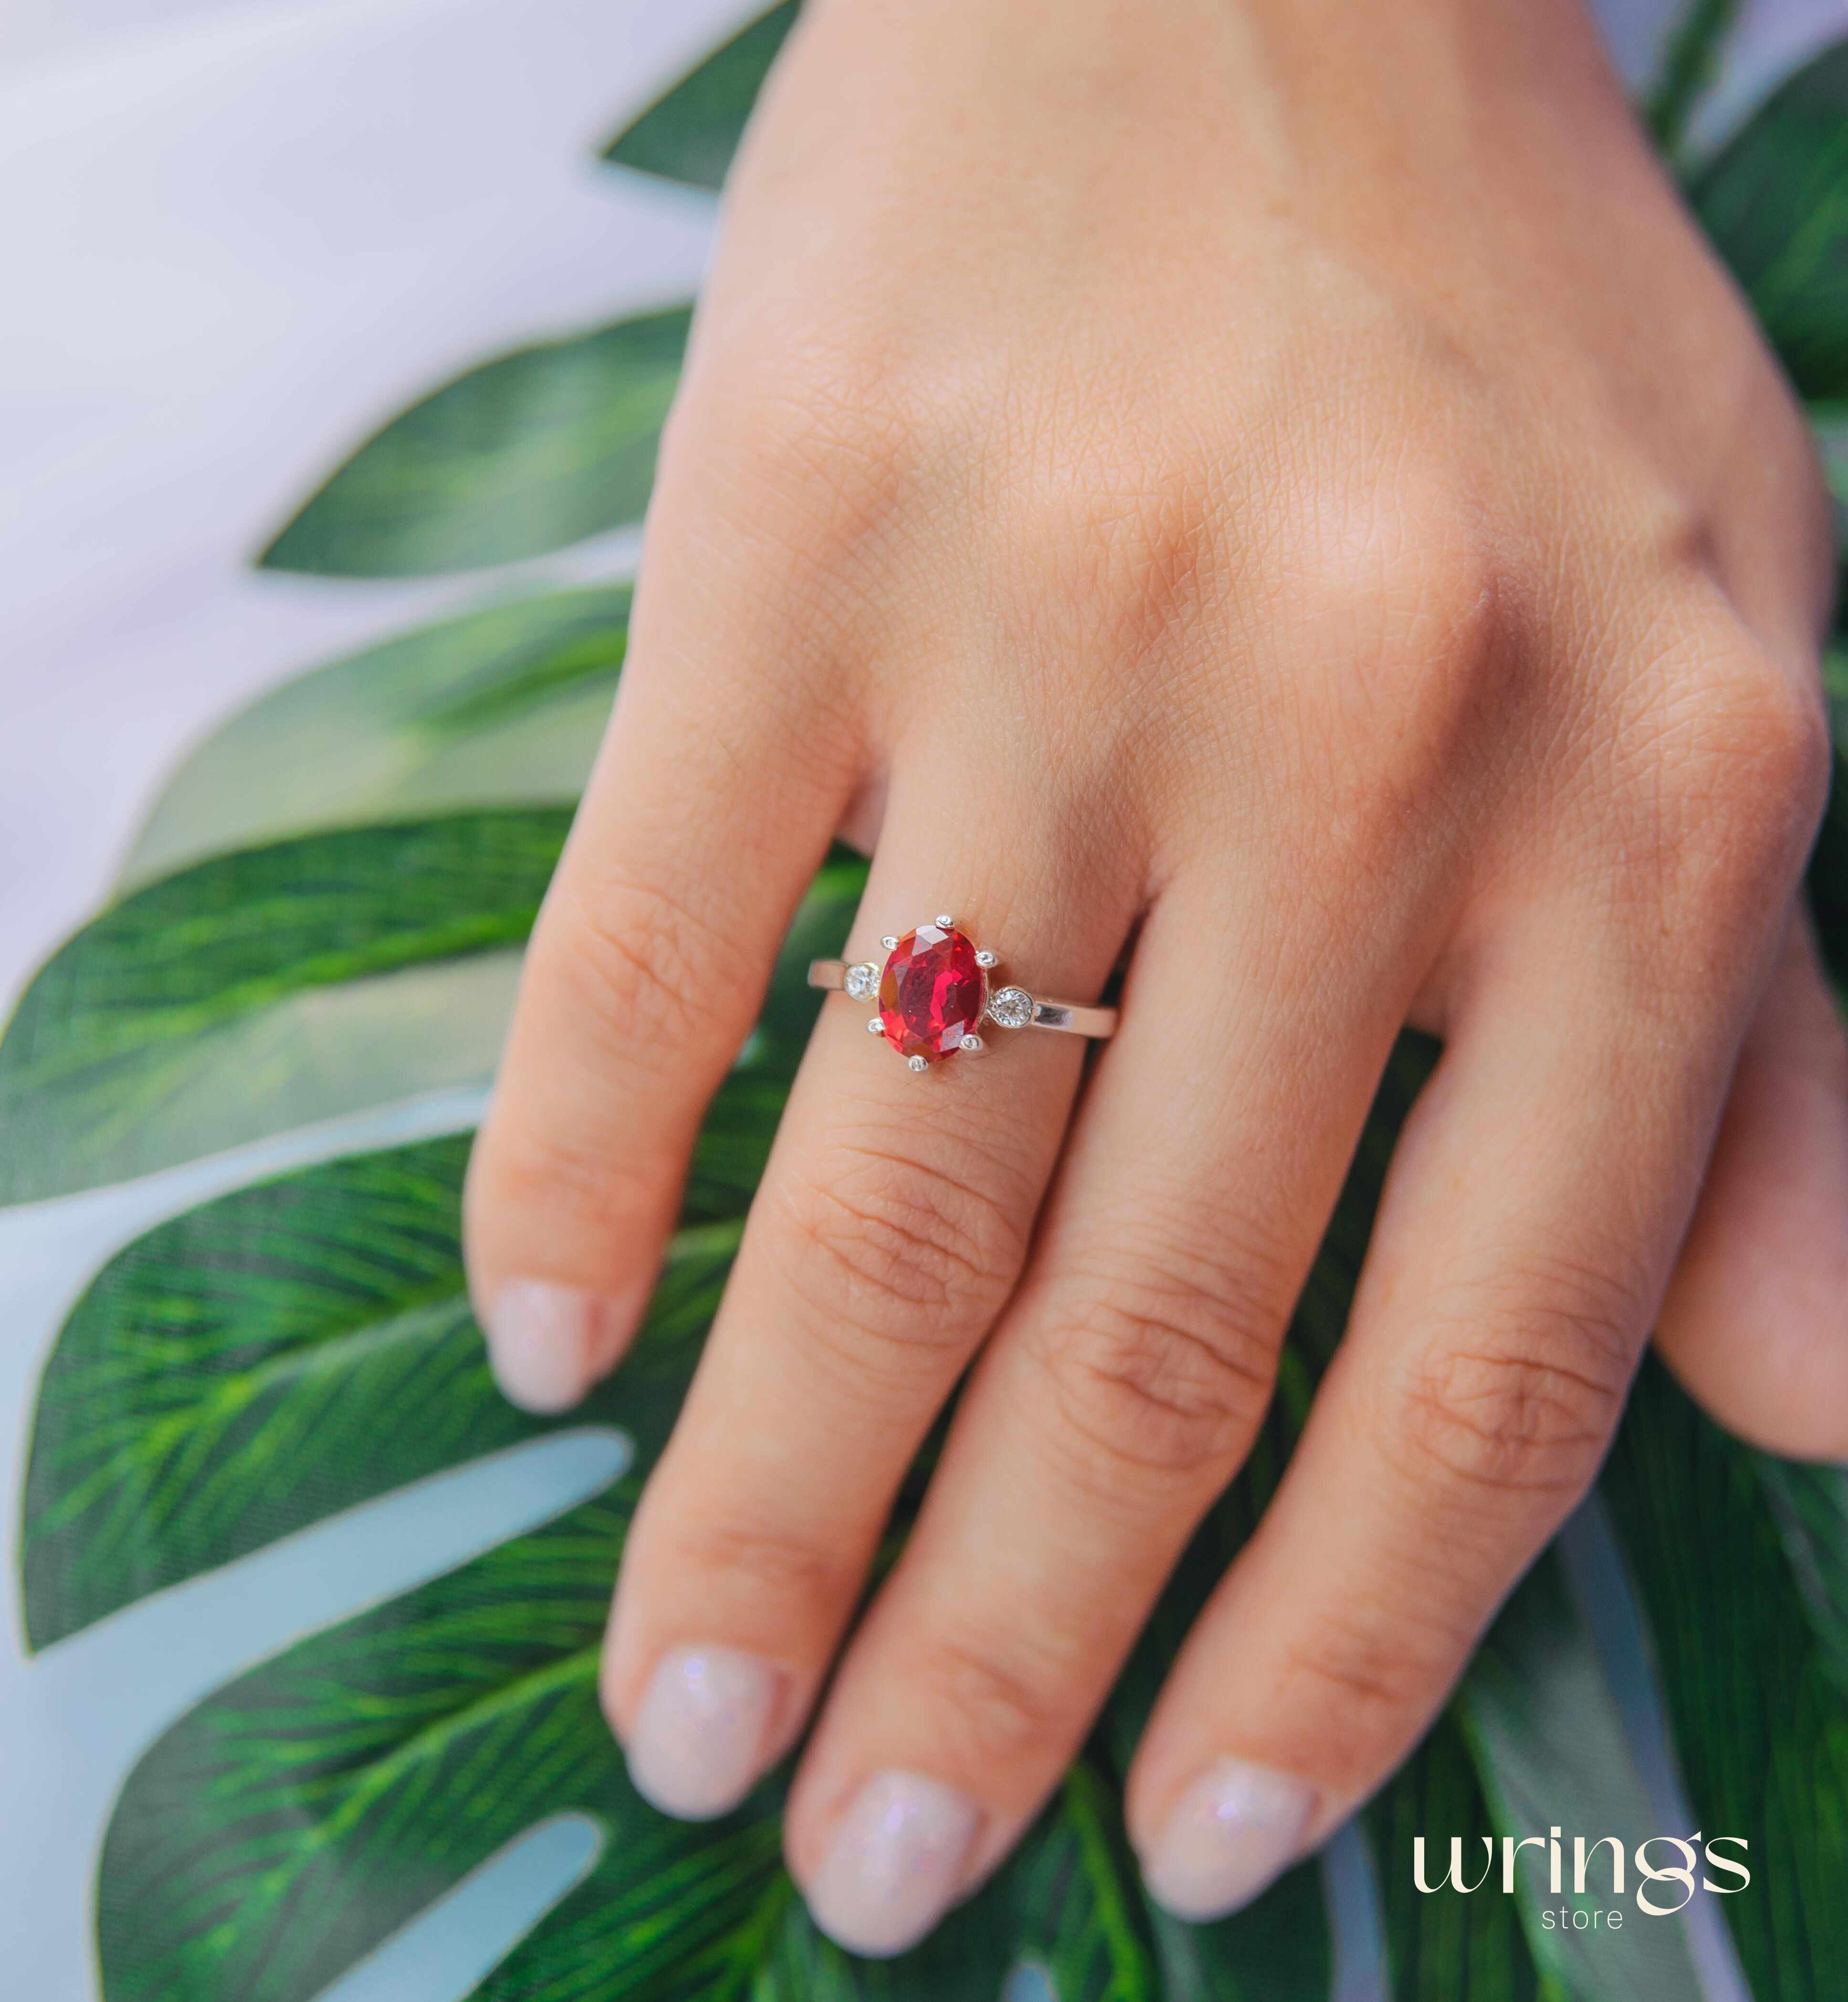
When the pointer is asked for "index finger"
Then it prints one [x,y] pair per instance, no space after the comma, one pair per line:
[722,777]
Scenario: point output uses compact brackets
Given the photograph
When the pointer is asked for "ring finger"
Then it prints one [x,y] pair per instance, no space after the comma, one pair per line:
[891,1223]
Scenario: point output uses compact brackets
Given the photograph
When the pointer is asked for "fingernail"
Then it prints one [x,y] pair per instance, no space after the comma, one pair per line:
[697,1744]
[895,1862]
[1233,1830]
[547,1343]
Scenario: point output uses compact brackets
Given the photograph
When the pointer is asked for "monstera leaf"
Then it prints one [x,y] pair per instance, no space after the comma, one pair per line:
[288,1351]
[270,988]
[500,707]
[325,905]
[524,454]
[1739,1559]
[1689,61]
[324,914]
[1776,204]
[691,133]
[1830,423]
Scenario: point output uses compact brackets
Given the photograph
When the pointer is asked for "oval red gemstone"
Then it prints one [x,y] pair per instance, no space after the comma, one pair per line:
[930,994]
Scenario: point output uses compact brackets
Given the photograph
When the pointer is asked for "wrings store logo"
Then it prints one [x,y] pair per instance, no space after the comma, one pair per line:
[1652,1875]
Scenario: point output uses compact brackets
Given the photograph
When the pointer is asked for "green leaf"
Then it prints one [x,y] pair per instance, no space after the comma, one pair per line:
[1830,421]
[294,1820]
[1448,1946]
[281,1355]
[267,989]
[1276,1950]
[280,986]
[1692,60]
[502,707]
[691,133]
[353,1780]
[1835,682]
[525,453]
[1758,1711]
[1776,204]
[1810,1506]
[966,1959]
[256,1365]
[281,1831]
[246,1369]
[1078,1895]
[1548,1741]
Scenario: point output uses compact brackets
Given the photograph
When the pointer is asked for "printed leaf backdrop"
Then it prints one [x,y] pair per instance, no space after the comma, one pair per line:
[324,913]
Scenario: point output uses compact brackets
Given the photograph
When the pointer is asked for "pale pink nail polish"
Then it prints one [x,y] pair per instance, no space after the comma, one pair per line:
[548,1343]
[1228,1834]
[697,1744]
[895,1862]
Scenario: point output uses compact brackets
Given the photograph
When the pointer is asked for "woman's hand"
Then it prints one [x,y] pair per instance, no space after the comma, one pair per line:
[1283,480]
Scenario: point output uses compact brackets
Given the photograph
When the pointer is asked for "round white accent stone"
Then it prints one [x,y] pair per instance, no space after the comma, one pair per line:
[1011,1006]
[862,980]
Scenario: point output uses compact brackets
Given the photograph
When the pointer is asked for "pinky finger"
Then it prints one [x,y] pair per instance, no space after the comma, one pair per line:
[1753,1322]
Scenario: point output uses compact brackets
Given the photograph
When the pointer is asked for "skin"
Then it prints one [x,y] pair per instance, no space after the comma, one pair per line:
[1285,481]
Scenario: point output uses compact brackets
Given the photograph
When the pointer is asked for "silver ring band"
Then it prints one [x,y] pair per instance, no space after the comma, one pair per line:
[1073,1017]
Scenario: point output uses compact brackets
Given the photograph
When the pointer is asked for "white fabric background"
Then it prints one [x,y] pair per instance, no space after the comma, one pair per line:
[234,237]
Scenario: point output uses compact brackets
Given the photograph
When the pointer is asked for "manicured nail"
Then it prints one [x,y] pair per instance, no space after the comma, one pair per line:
[1233,1830]
[547,1343]
[697,1744]
[895,1862]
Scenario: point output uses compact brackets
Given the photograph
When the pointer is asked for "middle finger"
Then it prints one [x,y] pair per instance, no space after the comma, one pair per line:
[1117,1397]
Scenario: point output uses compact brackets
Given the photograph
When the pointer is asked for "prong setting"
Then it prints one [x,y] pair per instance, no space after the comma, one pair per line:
[932,991]
[935,991]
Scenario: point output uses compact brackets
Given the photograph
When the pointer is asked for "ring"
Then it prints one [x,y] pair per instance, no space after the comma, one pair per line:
[934,992]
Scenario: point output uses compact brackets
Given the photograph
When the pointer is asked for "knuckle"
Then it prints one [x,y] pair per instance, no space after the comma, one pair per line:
[1744,767]
[807,449]
[1781,736]
[897,1247]
[1129,532]
[1165,1367]
[1440,646]
[633,960]
[1370,1675]
[1439,581]
[838,460]
[562,1180]
[1529,1406]
[802,1583]
[1005,1714]
[1407,591]
[1743,729]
